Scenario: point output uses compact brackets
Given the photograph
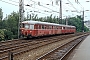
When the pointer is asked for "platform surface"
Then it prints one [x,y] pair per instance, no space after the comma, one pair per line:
[83,51]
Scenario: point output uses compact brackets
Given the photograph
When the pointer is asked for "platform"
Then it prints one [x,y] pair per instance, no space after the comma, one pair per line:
[83,51]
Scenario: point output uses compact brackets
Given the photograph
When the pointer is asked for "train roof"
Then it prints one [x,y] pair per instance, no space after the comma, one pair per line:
[45,23]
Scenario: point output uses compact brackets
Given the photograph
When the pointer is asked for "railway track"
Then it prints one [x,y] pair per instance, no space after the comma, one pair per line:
[60,52]
[19,47]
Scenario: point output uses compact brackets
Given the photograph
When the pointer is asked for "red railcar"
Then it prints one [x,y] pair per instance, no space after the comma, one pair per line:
[37,28]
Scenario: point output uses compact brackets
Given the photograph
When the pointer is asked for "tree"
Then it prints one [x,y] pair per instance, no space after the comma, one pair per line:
[1,35]
[11,25]
[1,14]
[8,35]
[77,22]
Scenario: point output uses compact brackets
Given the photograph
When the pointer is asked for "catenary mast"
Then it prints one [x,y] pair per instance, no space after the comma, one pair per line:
[21,15]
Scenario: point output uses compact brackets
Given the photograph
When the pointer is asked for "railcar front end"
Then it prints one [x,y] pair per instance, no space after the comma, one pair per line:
[27,30]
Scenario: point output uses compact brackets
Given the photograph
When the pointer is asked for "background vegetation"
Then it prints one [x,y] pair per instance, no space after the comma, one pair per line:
[9,25]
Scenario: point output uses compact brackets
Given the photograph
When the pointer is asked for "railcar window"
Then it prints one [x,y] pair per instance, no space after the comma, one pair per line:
[50,27]
[26,26]
[22,25]
[66,27]
[62,28]
[54,27]
[42,26]
[36,27]
[39,26]
[45,27]
[57,28]
[31,27]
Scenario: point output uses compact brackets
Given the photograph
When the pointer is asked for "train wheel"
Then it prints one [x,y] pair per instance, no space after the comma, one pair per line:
[29,36]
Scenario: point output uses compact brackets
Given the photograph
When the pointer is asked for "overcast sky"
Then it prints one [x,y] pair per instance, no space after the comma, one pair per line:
[72,6]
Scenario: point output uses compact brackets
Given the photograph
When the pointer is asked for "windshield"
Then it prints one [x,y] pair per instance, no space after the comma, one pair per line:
[26,26]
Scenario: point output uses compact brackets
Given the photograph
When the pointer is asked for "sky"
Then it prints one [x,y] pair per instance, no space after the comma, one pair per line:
[8,6]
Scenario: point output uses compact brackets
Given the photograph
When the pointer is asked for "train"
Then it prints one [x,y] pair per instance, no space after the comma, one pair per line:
[37,28]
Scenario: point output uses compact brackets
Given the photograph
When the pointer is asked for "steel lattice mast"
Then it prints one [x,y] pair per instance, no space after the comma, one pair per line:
[21,15]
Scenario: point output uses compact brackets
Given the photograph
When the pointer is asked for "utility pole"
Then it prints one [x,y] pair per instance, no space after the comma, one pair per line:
[83,22]
[27,15]
[66,20]
[60,13]
[21,15]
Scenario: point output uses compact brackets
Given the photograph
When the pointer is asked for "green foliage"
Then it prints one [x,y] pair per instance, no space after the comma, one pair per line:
[1,14]
[86,29]
[12,24]
[77,22]
[8,35]
[9,26]
[1,35]
[71,21]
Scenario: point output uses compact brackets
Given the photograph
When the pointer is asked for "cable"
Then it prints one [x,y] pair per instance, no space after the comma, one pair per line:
[37,12]
[24,4]
[8,3]
[45,7]
[67,7]
[81,5]
[32,7]
[16,5]
[72,5]
[37,8]
[14,1]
